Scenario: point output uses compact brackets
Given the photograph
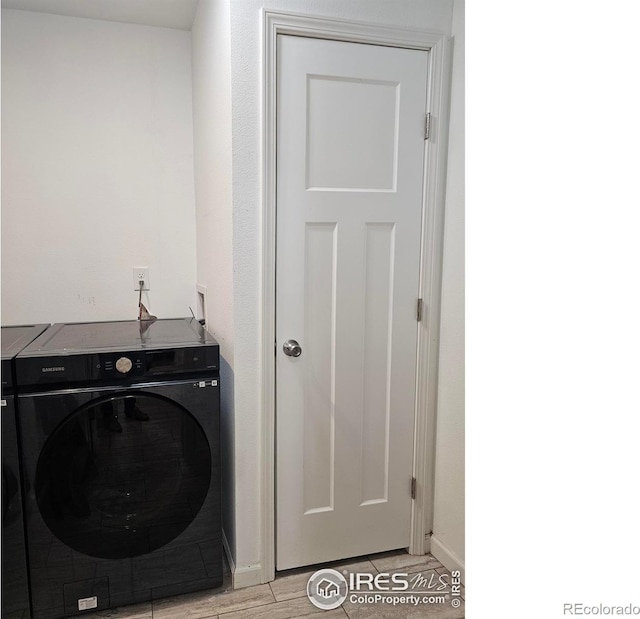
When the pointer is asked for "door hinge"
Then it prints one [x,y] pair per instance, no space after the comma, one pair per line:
[427,126]
[419,310]
[413,487]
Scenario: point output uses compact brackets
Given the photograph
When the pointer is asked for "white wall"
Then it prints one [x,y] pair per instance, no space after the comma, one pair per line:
[246,109]
[97,168]
[448,527]
[211,51]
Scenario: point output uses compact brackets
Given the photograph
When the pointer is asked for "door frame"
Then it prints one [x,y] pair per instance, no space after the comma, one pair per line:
[438,44]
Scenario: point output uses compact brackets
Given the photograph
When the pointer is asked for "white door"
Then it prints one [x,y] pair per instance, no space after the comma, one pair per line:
[350,149]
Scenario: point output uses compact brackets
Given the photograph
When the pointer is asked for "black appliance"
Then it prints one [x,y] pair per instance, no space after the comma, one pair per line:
[121,459]
[15,585]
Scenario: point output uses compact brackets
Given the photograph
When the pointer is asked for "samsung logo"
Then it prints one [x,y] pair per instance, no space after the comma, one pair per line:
[54,369]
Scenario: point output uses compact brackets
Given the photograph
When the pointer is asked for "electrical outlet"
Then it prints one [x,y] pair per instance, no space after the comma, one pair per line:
[140,274]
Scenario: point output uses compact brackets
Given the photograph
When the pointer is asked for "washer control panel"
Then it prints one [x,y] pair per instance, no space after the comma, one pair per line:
[139,364]
[118,365]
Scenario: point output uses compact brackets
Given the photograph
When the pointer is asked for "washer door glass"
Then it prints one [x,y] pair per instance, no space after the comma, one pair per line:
[123,475]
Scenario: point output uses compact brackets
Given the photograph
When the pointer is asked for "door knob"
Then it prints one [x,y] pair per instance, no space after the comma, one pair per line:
[292,348]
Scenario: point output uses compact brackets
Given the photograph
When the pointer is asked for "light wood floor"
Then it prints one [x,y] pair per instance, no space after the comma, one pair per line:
[286,597]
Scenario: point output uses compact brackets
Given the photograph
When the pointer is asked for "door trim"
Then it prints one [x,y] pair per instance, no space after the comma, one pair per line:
[438,44]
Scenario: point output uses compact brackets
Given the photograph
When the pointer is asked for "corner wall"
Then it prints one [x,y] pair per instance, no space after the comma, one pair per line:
[97,169]
[447,543]
[211,49]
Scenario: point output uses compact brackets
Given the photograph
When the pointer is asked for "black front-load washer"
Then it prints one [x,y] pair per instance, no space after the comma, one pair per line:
[120,447]
[15,584]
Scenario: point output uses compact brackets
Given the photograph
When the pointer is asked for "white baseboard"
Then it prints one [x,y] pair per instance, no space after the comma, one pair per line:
[241,577]
[447,557]
[247,576]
